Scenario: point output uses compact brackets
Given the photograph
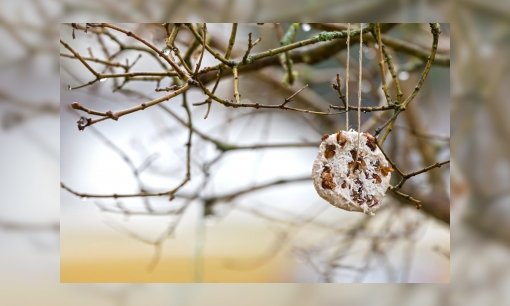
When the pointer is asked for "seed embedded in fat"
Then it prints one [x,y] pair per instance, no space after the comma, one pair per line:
[348,179]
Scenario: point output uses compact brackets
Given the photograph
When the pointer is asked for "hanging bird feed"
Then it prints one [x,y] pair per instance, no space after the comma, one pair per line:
[351,177]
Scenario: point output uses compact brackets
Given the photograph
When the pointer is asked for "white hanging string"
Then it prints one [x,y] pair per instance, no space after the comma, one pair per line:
[359,85]
[347,80]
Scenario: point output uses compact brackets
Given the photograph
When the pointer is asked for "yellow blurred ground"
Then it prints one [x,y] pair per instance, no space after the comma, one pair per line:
[108,256]
[179,270]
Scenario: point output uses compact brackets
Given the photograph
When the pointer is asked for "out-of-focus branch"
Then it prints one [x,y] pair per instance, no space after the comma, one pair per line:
[28,227]
[232,195]
[395,43]
[225,147]
[287,63]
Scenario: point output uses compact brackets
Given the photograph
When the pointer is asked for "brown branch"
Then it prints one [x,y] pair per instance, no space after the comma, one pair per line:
[78,106]
[434,28]
[84,122]
[96,60]
[78,56]
[367,108]
[230,46]
[197,68]
[202,42]
[309,56]
[231,41]
[173,87]
[388,159]
[114,196]
[287,100]
[237,96]
[407,197]
[338,88]
[139,73]
[225,147]
[325,36]
[377,34]
[408,176]
[250,46]
[328,26]
[419,133]
[173,34]
[229,103]
[393,73]
[180,73]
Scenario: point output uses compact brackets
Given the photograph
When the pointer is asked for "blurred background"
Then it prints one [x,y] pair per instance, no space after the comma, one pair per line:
[30,153]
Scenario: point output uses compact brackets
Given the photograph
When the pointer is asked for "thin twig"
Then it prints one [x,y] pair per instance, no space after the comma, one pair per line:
[197,68]
[96,60]
[250,46]
[388,159]
[287,100]
[367,108]
[78,56]
[78,106]
[408,176]
[237,96]
[285,40]
[408,197]
[187,177]
[309,56]
[116,115]
[377,35]
[173,87]
[202,42]
[173,35]
[338,88]
[229,103]
[231,41]
[180,73]
[434,28]
[181,59]
[391,67]
[325,36]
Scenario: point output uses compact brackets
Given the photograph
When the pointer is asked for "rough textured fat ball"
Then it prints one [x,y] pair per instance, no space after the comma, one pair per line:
[348,180]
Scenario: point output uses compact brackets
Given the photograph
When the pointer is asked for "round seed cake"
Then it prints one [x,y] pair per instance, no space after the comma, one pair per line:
[348,179]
